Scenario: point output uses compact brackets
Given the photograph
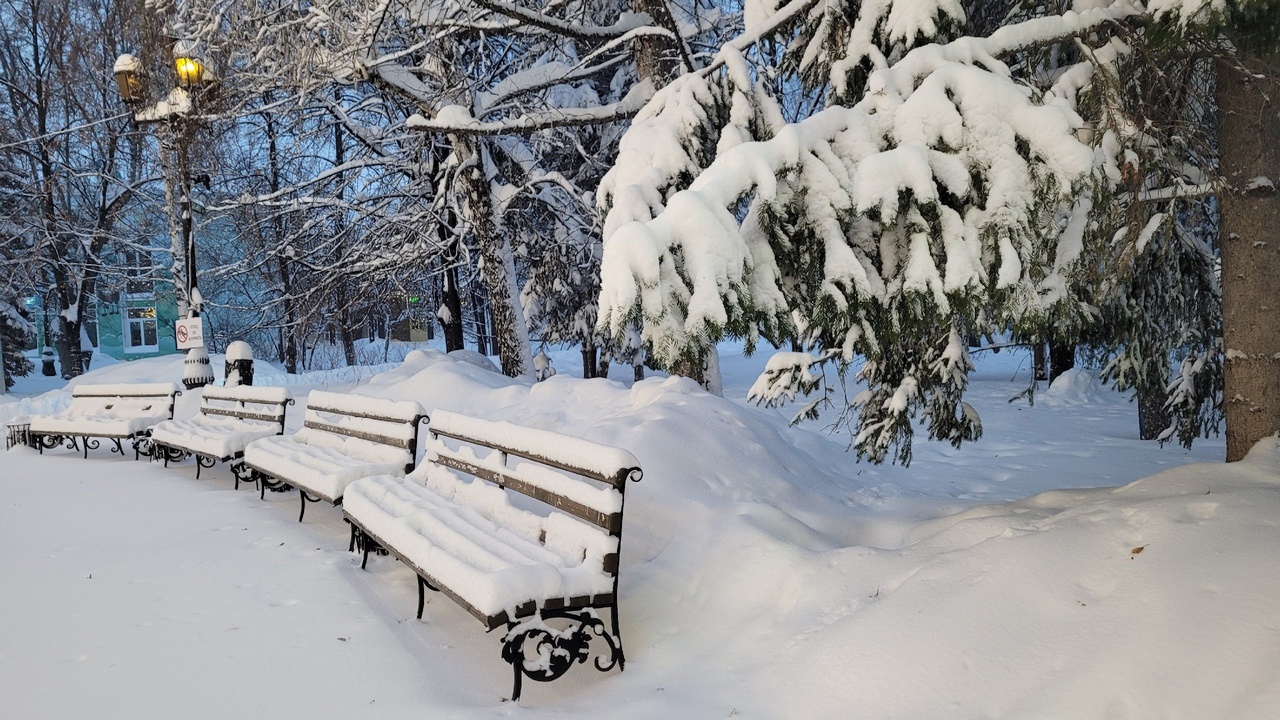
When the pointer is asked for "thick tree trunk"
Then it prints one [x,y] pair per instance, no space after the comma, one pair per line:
[657,56]
[1062,357]
[451,304]
[1039,361]
[344,306]
[1153,416]
[289,326]
[1249,144]
[589,369]
[511,335]
[348,340]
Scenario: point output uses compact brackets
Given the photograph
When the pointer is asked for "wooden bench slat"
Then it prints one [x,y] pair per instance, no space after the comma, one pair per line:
[611,522]
[243,414]
[616,480]
[367,416]
[405,443]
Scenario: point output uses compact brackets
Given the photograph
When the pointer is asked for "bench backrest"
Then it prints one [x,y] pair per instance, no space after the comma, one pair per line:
[392,423]
[247,402]
[125,399]
[582,483]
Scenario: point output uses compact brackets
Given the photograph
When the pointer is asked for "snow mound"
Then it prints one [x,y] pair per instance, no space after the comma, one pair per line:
[1077,386]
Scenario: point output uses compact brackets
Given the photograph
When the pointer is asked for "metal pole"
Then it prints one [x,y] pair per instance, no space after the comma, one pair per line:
[188,236]
[197,371]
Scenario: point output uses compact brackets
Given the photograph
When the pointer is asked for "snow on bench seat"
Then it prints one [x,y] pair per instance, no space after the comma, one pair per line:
[472,541]
[464,522]
[229,419]
[114,411]
[213,436]
[344,438]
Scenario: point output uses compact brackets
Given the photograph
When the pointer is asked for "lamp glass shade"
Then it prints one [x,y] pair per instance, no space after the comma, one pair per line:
[129,84]
[190,71]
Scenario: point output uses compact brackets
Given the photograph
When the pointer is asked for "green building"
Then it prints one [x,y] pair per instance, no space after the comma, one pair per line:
[137,320]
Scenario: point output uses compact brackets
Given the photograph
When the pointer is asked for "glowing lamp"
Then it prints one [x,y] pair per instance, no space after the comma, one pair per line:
[190,72]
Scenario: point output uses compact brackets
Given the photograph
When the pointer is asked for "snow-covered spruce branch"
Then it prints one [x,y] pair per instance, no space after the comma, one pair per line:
[457,120]
[756,166]
[880,221]
[1174,192]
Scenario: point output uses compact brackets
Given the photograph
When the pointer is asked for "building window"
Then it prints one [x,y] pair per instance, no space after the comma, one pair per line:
[138,282]
[140,330]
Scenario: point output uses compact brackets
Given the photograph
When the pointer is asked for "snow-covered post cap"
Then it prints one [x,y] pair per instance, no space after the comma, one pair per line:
[239,370]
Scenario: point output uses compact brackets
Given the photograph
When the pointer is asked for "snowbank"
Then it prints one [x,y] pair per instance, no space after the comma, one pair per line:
[764,574]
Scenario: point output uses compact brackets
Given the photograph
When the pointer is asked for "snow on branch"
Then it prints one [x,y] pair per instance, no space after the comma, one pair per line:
[626,23]
[455,119]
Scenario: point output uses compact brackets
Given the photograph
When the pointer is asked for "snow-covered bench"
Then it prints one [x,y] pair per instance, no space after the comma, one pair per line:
[344,437]
[116,412]
[229,419]
[464,523]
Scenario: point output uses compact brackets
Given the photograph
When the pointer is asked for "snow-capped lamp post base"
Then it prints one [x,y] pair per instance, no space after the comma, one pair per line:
[196,370]
[239,369]
[46,362]
[189,334]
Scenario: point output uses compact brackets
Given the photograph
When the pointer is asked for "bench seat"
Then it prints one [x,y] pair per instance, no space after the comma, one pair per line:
[486,552]
[106,425]
[122,411]
[229,419]
[211,435]
[323,463]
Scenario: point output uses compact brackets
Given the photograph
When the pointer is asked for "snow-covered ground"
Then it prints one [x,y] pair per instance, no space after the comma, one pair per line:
[1058,568]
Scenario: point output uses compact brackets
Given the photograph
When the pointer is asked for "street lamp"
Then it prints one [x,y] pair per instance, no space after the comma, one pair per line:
[176,113]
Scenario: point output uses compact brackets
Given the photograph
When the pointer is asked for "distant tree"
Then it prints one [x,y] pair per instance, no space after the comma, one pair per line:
[521,99]
[72,167]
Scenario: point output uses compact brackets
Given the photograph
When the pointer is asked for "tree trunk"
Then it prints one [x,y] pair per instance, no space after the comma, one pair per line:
[658,57]
[1249,144]
[511,335]
[348,340]
[1153,416]
[452,305]
[288,324]
[344,305]
[712,380]
[1039,361]
[589,369]
[477,320]
[1062,357]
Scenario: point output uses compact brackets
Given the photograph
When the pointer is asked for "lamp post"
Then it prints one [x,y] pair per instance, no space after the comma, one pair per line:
[176,113]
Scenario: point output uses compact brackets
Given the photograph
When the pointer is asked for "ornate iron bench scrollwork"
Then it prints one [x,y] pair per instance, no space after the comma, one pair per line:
[540,652]
[143,447]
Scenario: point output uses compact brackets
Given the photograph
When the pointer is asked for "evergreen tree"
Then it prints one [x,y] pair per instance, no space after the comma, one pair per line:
[15,332]
[935,192]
